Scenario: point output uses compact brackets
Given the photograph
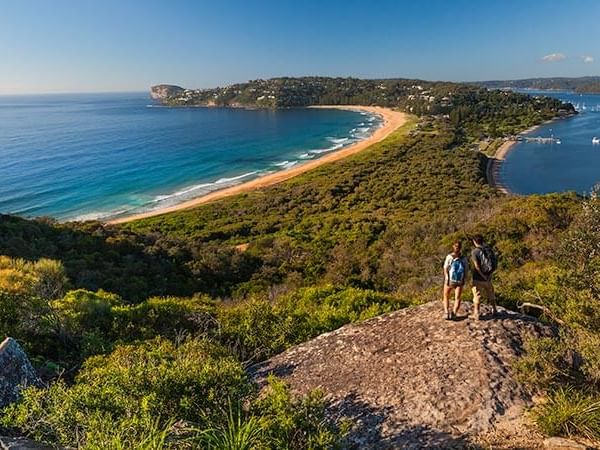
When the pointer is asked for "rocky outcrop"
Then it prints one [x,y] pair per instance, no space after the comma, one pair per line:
[410,379]
[165,91]
[558,443]
[16,371]
[19,443]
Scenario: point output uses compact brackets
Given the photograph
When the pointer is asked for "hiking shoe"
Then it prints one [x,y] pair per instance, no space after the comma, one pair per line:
[452,315]
[448,316]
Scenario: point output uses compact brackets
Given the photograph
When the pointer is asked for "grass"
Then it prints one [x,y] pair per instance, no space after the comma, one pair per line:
[569,412]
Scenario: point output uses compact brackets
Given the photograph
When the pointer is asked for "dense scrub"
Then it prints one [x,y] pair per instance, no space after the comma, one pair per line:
[144,331]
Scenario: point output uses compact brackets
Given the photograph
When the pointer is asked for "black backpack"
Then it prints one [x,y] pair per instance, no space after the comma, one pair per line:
[488,260]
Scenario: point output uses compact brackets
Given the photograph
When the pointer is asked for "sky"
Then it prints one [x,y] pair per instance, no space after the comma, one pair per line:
[129,45]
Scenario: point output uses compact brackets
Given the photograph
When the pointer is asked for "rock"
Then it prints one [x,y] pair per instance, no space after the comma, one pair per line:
[164,91]
[410,379]
[19,443]
[16,371]
[557,443]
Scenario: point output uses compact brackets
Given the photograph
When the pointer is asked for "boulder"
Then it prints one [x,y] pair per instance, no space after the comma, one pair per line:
[19,443]
[558,443]
[411,379]
[16,372]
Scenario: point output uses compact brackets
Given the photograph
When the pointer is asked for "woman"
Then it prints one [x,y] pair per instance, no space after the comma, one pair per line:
[455,274]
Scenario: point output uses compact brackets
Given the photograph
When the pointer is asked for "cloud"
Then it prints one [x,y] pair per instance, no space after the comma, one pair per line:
[588,59]
[553,57]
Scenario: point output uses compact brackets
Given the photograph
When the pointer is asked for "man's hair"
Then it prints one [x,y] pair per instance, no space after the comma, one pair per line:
[478,239]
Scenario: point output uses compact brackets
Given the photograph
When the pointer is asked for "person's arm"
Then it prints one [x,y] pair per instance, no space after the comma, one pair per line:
[478,267]
[446,271]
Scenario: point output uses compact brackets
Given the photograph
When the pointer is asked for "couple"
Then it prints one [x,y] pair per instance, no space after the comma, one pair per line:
[456,267]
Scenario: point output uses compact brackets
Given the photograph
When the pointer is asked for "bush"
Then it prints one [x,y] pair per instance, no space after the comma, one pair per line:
[154,380]
[296,423]
[569,412]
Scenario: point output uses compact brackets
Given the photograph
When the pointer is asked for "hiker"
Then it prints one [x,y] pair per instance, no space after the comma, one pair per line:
[456,267]
[484,264]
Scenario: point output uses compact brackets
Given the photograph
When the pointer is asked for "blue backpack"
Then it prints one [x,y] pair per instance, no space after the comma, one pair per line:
[456,273]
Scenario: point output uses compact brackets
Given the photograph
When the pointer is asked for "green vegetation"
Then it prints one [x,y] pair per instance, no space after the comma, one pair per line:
[144,331]
[580,85]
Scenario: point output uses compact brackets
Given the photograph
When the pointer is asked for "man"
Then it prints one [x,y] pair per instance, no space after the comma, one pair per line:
[484,263]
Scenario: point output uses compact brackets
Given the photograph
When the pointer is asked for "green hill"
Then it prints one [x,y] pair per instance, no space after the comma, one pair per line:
[139,326]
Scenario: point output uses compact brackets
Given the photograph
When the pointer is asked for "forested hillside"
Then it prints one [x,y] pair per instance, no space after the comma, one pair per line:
[582,85]
[139,326]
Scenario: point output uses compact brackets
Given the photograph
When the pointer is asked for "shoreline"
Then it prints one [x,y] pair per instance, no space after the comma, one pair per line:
[392,120]
[495,163]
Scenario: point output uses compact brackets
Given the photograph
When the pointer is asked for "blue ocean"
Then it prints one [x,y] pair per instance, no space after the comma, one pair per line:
[97,156]
[572,165]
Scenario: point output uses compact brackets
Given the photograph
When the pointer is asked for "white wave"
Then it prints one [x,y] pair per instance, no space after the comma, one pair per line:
[324,150]
[305,156]
[239,177]
[290,164]
[338,140]
[282,163]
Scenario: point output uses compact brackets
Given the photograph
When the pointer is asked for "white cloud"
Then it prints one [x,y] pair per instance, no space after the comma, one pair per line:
[588,59]
[553,57]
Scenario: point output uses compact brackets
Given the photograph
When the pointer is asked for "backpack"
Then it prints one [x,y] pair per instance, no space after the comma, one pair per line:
[456,273]
[488,261]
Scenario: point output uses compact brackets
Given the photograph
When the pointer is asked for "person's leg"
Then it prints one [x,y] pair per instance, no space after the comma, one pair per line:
[445,299]
[476,299]
[491,295]
[457,294]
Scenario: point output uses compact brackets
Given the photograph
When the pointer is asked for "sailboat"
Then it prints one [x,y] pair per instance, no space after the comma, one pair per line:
[595,140]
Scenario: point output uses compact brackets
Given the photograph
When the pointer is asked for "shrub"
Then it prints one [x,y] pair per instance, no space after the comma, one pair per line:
[144,382]
[569,412]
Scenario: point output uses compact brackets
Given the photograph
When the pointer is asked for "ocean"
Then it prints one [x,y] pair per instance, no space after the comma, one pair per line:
[572,165]
[98,156]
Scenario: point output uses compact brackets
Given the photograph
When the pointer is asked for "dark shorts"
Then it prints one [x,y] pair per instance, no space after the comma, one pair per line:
[455,285]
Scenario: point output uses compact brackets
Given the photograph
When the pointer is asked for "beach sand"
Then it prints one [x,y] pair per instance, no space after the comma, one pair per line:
[392,120]
[495,163]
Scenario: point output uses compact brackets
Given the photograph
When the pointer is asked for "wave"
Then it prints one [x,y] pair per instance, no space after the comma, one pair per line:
[324,150]
[361,131]
[338,140]
[201,188]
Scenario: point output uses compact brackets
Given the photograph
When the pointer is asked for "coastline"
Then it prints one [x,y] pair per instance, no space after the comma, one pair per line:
[495,163]
[392,120]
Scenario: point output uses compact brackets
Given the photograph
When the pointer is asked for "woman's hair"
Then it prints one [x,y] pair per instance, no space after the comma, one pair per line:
[457,243]
[478,239]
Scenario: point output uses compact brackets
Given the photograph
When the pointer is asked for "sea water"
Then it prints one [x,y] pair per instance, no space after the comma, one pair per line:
[572,165]
[96,156]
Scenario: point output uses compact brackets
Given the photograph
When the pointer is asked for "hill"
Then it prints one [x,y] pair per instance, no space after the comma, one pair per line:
[126,362]
[581,85]
[411,378]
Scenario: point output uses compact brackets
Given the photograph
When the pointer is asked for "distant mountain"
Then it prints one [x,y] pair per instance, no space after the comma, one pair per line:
[581,85]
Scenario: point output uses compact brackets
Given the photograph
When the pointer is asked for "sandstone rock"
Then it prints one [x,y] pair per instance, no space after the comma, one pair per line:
[557,443]
[410,379]
[16,371]
[8,443]
[164,91]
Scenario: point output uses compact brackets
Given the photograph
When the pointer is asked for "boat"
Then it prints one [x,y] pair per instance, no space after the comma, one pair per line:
[558,141]
[595,140]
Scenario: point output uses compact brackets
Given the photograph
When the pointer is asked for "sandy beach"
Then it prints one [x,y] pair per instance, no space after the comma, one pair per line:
[392,120]
[495,163]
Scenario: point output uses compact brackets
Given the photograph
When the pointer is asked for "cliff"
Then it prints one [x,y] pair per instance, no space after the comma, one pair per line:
[164,91]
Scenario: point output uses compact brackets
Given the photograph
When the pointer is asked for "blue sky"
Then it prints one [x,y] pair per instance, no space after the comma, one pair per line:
[110,45]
